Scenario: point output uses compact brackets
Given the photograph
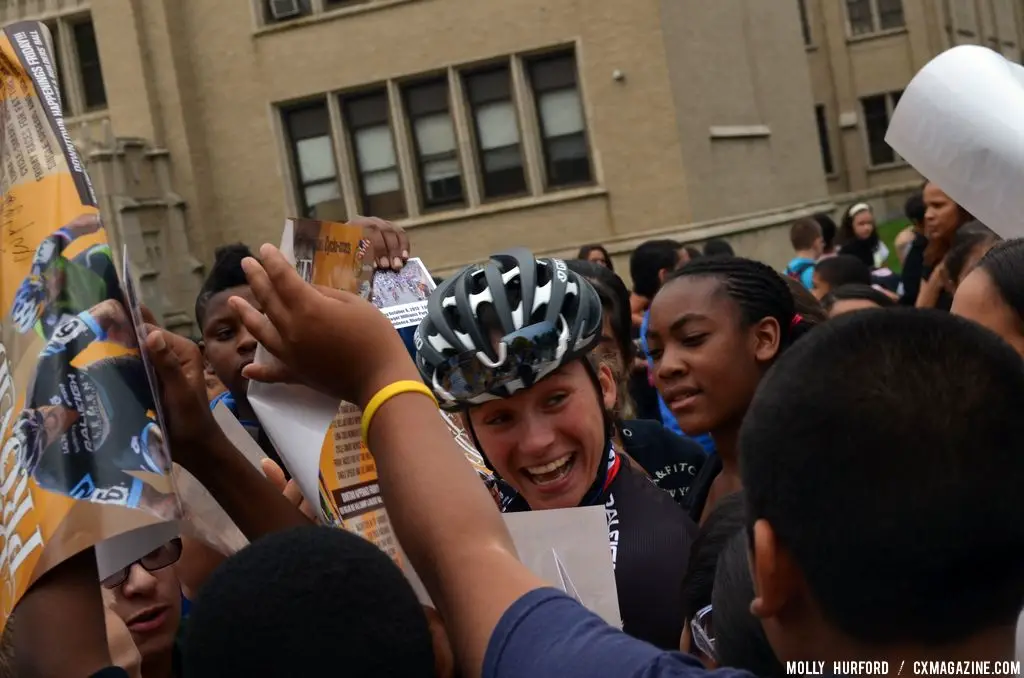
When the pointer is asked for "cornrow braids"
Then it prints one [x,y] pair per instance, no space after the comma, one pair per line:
[757,289]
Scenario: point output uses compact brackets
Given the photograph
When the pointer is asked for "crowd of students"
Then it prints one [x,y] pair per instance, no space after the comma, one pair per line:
[811,465]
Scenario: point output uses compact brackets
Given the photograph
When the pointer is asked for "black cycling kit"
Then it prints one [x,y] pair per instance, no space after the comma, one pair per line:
[650,537]
[92,457]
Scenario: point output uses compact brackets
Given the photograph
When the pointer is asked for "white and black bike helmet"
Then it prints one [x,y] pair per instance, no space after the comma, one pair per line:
[499,327]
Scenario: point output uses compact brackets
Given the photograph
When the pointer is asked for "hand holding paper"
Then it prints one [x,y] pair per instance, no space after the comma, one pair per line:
[339,344]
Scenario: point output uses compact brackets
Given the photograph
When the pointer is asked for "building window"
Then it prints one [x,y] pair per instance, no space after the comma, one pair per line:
[380,183]
[275,11]
[865,17]
[437,153]
[560,112]
[58,64]
[309,135]
[805,23]
[497,132]
[94,94]
[877,112]
[823,140]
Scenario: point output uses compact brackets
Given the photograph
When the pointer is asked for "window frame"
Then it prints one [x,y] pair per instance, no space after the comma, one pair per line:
[363,199]
[421,161]
[473,123]
[828,163]
[891,99]
[805,23]
[875,15]
[68,68]
[299,187]
[543,139]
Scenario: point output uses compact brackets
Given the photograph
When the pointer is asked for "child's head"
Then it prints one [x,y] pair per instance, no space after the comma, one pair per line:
[870,535]
[715,326]
[650,263]
[837,271]
[226,343]
[856,297]
[992,294]
[858,224]
[297,601]
[828,230]
[805,236]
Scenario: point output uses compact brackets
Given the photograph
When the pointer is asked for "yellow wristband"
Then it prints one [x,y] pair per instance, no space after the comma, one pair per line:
[386,394]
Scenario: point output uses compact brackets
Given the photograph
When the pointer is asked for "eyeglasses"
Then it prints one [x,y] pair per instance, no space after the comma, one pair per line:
[703,631]
[157,559]
[520,355]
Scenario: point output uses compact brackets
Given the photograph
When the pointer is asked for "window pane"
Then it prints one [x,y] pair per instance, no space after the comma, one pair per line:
[858,13]
[890,14]
[315,158]
[367,111]
[383,181]
[503,172]
[318,193]
[876,121]
[805,24]
[310,121]
[427,98]
[375,149]
[496,125]
[823,140]
[434,134]
[93,91]
[553,73]
[486,86]
[283,8]
[567,160]
[441,182]
[561,112]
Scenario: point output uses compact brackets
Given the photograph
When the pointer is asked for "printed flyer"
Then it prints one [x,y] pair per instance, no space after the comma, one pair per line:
[83,456]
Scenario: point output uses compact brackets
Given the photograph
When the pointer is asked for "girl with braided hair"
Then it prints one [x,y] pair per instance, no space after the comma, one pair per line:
[717,324]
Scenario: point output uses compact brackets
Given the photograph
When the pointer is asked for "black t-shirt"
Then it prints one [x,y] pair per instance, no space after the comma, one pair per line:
[650,537]
[672,461]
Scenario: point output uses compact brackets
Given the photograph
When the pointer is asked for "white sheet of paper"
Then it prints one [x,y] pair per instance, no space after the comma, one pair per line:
[960,122]
[567,547]
[296,419]
[238,436]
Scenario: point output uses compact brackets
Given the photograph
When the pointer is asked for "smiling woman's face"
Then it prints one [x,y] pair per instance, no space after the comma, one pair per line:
[548,441]
[706,364]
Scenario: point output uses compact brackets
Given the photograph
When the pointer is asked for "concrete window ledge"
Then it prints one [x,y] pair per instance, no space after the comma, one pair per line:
[739,131]
[485,209]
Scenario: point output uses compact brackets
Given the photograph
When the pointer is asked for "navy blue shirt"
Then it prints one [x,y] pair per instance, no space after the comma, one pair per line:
[546,634]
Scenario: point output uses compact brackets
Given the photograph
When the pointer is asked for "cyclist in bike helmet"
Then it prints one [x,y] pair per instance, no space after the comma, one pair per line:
[508,344]
[29,302]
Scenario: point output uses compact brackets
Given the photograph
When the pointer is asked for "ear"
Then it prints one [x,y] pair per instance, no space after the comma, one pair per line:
[662,275]
[609,389]
[767,338]
[776,578]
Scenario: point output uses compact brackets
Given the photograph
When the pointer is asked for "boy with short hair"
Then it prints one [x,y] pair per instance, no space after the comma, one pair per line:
[808,243]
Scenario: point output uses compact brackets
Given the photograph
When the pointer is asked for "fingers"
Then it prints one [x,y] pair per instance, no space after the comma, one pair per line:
[165,361]
[147,315]
[289,288]
[259,325]
[378,248]
[270,374]
[394,248]
[274,474]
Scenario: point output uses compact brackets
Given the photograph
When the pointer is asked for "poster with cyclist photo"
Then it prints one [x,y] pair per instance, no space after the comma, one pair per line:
[83,458]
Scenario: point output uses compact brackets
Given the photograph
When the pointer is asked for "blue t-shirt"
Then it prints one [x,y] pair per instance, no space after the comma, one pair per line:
[546,634]
[668,420]
[803,268]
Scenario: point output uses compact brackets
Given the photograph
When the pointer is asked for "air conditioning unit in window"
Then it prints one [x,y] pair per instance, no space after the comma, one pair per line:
[284,9]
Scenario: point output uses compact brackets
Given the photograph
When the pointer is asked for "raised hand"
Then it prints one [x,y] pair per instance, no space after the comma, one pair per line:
[332,341]
[389,245]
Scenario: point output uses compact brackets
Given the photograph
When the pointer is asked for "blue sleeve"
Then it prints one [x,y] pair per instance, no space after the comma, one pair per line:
[668,420]
[546,634]
[807,277]
[643,334]
[110,672]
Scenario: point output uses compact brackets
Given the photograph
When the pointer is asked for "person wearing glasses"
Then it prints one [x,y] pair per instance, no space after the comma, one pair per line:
[510,345]
[146,595]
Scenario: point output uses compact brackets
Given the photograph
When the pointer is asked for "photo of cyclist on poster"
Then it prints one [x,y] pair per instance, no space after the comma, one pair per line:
[67,439]
[57,288]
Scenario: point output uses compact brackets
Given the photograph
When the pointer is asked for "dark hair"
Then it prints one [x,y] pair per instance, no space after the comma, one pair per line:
[694,252]
[939,246]
[969,239]
[914,208]
[758,290]
[647,262]
[809,308]
[843,269]
[585,251]
[717,247]
[803,233]
[295,601]
[859,292]
[740,642]
[846,235]
[728,518]
[614,298]
[225,273]
[1003,264]
[828,230]
[929,550]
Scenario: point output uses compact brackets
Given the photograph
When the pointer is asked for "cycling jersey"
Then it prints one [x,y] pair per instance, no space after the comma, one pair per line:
[89,279]
[92,457]
[650,537]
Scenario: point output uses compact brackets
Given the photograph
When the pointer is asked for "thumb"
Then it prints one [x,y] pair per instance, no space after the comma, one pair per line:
[165,362]
[274,474]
